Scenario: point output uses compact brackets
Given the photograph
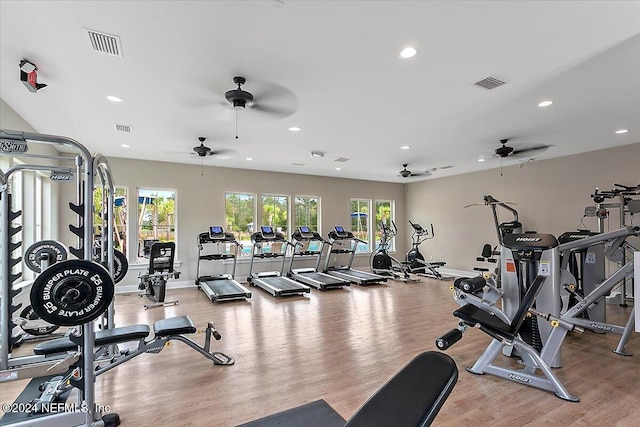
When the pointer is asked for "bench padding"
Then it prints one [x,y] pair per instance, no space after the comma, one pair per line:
[413,396]
[104,337]
[174,326]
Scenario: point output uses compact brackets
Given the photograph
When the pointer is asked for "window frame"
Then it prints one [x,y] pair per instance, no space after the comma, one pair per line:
[174,224]
[369,249]
[314,227]
[286,232]
[392,215]
[246,251]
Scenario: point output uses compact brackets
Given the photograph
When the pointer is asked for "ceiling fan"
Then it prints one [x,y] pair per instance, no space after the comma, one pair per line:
[275,100]
[505,151]
[405,173]
[203,151]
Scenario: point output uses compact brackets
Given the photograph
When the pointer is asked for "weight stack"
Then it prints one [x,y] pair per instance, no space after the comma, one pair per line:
[530,333]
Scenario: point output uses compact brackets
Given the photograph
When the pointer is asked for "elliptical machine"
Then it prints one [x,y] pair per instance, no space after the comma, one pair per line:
[384,264]
[415,260]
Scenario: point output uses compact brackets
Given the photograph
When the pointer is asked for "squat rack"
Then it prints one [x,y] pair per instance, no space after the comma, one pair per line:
[85,167]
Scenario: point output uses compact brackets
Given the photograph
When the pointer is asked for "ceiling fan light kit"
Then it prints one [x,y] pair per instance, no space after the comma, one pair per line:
[238,97]
[201,150]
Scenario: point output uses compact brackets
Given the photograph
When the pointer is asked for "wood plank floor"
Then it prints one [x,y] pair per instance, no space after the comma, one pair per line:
[340,346]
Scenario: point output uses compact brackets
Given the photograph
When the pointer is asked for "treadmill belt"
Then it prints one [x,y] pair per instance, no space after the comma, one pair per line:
[223,287]
[325,278]
[283,284]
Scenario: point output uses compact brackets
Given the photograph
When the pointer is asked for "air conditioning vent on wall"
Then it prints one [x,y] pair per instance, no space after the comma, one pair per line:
[123,128]
[490,83]
[104,43]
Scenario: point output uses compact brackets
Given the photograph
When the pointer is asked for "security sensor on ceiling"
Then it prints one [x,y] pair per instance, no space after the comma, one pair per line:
[29,77]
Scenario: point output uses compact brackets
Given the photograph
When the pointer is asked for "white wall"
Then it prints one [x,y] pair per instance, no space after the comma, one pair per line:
[551,196]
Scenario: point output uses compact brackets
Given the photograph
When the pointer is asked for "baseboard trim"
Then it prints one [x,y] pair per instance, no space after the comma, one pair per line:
[172,284]
[457,273]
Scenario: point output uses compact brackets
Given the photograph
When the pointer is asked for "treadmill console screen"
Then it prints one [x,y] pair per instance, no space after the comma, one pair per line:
[339,229]
[305,230]
[266,229]
[215,230]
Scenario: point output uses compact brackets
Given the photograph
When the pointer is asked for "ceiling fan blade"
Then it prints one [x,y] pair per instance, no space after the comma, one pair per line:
[278,111]
[529,150]
[222,153]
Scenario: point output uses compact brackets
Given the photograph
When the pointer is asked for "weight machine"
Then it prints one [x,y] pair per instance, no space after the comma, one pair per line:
[622,198]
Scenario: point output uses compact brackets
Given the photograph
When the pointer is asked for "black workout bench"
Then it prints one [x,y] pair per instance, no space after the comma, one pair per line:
[413,396]
[174,328]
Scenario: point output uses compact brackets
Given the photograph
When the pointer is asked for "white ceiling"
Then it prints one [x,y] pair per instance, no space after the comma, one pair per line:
[333,69]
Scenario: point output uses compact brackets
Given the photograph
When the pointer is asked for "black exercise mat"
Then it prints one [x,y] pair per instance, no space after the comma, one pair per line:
[314,414]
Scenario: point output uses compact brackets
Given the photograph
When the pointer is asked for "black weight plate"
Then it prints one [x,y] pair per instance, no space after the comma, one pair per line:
[120,265]
[55,251]
[72,292]
[29,314]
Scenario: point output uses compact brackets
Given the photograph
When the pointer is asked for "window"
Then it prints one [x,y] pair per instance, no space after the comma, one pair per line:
[156,219]
[306,212]
[384,215]
[119,216]
[38,208]
[275,212]
[360,209]
[240,216]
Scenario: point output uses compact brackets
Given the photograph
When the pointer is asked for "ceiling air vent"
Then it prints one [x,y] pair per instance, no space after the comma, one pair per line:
[123,128]
[341,159]
[490,83]
[297,164]
[104,43]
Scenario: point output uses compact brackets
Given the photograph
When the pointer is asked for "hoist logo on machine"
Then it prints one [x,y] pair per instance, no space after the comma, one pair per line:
[61,176]
[519,378]
[10,146]
[601,327]
[528,239]
[578,236]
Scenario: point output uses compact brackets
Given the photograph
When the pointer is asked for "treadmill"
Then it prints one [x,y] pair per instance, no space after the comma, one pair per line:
[303,239]
[273,282]
[219,287]
[345,271]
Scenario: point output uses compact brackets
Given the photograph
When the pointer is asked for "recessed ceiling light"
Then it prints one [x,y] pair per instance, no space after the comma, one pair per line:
[125,145]
[114,98]
[249,158]
[408,52]
[405,147]
[294,129]
[338,169]
[481,159]
[545,103]
[622,131]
